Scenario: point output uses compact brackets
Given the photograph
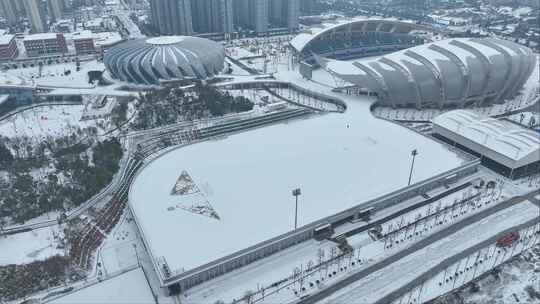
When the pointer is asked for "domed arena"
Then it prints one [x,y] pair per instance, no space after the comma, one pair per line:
[151,61]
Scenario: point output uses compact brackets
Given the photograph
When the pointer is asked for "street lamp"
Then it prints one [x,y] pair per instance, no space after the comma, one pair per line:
[137,255]
[296,193]
[413,153]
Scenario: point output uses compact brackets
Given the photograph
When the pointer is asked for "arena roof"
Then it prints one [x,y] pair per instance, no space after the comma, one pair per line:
[504,141]
[303,39]
[150,60]
[454,71]
[338,160]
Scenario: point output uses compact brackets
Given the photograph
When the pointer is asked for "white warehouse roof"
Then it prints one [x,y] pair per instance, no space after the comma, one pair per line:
[501,140]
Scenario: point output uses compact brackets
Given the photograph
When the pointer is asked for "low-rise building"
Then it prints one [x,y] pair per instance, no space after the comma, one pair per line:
[503,146]
[8,47]
[84,42]
[45,44]
[105,40]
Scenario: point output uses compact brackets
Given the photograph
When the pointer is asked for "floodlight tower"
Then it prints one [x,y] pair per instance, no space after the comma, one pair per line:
[413,153]
[296,193]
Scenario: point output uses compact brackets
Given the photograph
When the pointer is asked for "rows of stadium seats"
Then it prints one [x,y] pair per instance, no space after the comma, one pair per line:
[356,40]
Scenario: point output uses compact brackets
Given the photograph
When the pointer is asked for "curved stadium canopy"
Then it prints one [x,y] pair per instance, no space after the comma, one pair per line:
[150,61]
[451,72]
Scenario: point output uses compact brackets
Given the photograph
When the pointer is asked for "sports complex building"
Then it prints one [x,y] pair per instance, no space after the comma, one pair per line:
[413,65]
[207,209]
[502,145]
[213,207]
[446,73]
[155,60]
[355,38]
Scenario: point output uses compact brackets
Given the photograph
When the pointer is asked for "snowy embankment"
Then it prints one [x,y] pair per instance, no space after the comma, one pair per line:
[128,288]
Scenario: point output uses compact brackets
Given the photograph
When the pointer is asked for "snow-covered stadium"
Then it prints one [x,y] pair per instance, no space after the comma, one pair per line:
[210,208]
[154,60]
[359,37]
[207,209]
[450,72]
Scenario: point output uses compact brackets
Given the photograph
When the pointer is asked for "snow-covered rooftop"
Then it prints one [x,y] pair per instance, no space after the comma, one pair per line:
[244,182]
[501,136]
[101,39]
[104,39]
[40,36]
[6,39]
[82,35]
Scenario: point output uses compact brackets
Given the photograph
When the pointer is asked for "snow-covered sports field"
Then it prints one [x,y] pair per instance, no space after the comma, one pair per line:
[242,184]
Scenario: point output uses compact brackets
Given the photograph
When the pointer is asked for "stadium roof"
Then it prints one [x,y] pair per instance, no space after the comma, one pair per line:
[303,39]
[454,71]
[509,143]
[151,60]
[338,160]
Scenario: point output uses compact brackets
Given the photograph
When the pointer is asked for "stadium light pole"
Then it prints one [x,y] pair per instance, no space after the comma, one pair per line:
[296,193]
[413,153]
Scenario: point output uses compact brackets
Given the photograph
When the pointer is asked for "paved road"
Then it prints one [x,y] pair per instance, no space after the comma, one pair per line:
[451,261]
[418,246]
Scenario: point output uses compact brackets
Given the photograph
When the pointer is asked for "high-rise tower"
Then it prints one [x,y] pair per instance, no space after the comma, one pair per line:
[36,15]
[212,16]
[9,11]
[172,17]
[55,8]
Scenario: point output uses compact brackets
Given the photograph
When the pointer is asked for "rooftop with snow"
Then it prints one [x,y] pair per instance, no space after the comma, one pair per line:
[511,143]
[202,202]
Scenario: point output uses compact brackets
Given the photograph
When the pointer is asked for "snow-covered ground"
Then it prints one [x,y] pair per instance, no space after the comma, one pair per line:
[515,280]
[529,119]
[40,122]
[118,252]
[54,75]
[239,52]
[27,247]
[379,284]
[128,288]
[236,70]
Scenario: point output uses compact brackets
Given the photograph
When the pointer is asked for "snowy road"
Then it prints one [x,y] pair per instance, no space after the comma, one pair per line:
[446,263]
[338,289]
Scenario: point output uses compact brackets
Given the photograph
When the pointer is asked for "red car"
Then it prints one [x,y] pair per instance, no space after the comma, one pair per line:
[508,240]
